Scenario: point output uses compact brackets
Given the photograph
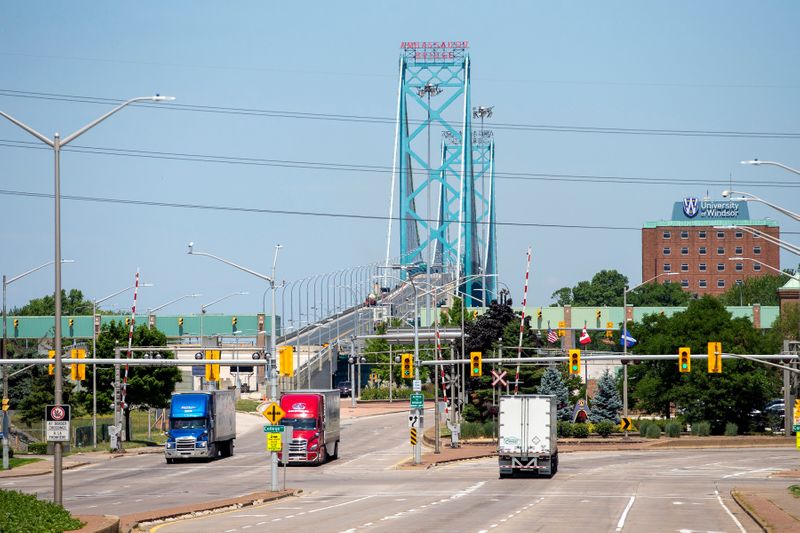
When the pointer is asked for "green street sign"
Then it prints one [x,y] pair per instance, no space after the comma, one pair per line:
[796,428]
[417,400]
[273,429]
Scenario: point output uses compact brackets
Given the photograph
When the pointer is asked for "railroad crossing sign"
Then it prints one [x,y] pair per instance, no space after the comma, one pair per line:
[273,413]
[626,424]
[498,378]
[57,422]
[274,442]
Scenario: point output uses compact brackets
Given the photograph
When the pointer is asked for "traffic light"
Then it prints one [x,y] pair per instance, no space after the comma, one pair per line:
[407,365]
[71,323]
[685,359]
[575,362]
[475,368]
[539,313]
[5,404]
[77,371]
[16,323]
[597,314]
[609,327]
[180,322]
[715,358]
[561,326]
[127,322]
[212,370]
[475,314]
[286,360]
[233,321]
[51,368]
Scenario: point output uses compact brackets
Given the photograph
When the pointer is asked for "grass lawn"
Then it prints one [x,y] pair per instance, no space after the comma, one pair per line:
[19,461]
[247,405]
[795,489]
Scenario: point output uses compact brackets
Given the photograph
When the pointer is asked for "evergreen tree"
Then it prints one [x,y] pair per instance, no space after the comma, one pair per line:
[553,384]
[605,403]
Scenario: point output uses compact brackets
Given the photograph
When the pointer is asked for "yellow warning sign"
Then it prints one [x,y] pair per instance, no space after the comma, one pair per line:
[413,436]
[274,442]
[273,413]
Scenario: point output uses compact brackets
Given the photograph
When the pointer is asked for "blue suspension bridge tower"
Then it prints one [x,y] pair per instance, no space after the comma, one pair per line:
[446,208]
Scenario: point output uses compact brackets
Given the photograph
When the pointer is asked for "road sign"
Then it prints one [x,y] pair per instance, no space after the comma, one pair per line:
[414,420]
[413,436]
[416,385]
[273,429]
[626,424]
[273,413]
[57,423]
[417,400]
[273,442]
[498,378]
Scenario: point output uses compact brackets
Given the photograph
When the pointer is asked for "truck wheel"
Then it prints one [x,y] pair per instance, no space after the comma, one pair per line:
[323,455]
[170,461]
[230,448]
[335,451]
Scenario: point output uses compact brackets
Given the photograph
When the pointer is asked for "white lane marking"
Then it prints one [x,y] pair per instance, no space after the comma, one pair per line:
[338,505]
[229,530]
[750,472]
[739,524]
[621,522]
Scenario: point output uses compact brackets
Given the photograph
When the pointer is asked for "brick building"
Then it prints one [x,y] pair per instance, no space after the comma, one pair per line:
[696,245]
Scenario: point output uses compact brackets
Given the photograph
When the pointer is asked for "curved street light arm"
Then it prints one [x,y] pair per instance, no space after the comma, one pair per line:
[774,163]
[746,197]
[266,278]
[98,120]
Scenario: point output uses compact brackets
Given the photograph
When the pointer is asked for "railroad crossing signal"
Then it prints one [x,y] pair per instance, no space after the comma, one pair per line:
[475,368]
[715,358]
[685,359]
[407,368]
[286,361]
[212,370]
[575,362]
[77,371]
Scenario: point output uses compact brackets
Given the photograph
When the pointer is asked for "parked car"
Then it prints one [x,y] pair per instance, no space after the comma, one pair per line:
[345,389]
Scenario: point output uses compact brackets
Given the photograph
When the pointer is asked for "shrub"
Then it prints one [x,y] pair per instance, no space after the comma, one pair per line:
[471,430]
[564,429]
[731,429]
[23,512]
[605,428]
[38,448]
[580,431]
[643,427]
[488,428]
[471,413]
[653,431]
[701,429]
[673,429]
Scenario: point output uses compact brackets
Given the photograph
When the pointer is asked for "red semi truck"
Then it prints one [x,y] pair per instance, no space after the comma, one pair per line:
[314,417]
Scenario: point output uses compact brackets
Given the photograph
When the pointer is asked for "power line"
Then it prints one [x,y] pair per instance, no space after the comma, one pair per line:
[553,128]
[354,167]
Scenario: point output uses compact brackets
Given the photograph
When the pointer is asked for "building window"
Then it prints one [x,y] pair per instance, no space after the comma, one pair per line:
[685,283]
[720,250]
[684,235]
[757,250]
[702,284]
[684,267]
[720,235]
[701,234]
[720,283]
[739,250]
[701,267]
[702,250]
[720,267]
[667,267]
[667,251]
[739,235]
[756,267]
[685,250]
[739,267]
[667,234]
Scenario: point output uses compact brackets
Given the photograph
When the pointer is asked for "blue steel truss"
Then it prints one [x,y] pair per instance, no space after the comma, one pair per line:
[446,210]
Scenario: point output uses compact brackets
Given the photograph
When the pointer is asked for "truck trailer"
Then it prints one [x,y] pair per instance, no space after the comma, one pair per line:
[314,417]
[527,435]
[202,424]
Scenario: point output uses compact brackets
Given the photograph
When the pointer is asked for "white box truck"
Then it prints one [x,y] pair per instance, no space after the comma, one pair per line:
[527,440]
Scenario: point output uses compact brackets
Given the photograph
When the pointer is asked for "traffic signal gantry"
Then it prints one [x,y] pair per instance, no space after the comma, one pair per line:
[575,362]
[407,368]
[685,359]
[475,366]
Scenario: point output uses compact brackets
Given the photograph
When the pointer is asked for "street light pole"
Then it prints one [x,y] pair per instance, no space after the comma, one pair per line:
[747,197]
[5,424]
[773,163]
[56,143]
[273,378]
[625,292]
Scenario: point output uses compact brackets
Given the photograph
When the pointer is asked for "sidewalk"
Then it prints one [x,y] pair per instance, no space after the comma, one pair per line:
[774,510]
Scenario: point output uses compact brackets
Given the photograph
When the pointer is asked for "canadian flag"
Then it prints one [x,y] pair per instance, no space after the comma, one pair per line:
[585,338]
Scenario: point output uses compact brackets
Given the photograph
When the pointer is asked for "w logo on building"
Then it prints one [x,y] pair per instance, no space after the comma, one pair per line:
[690,207]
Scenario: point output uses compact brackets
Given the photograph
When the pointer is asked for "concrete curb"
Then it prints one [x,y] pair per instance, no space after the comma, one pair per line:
[742,503]
[97,524]
[148,519]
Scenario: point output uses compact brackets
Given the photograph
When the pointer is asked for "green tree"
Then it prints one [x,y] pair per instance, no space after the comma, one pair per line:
[72,303]
[659,295]
[605,403]
[756,290]
[552,383]
[730,396]
[606,289]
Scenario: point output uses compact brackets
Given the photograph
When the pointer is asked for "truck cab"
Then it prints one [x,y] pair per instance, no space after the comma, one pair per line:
[201,425]
[314,417]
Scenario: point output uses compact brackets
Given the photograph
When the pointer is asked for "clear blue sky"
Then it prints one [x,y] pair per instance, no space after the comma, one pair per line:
[714,66]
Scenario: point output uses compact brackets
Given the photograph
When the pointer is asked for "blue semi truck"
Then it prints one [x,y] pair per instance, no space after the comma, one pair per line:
[202,424]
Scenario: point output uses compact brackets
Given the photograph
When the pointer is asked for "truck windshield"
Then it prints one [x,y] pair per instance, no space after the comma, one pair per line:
[300,423]
[187,423]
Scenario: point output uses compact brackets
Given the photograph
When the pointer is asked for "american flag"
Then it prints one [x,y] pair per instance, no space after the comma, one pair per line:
[551,335]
